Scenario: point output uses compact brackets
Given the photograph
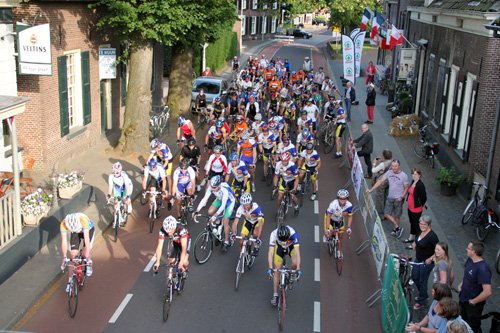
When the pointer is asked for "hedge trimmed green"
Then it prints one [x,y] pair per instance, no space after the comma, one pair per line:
[217,54]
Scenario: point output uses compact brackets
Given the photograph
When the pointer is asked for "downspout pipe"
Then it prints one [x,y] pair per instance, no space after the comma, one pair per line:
[493,143]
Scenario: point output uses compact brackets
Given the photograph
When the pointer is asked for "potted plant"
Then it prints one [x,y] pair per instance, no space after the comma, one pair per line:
[391,91]
[35,206]
[449,180]
[68,184]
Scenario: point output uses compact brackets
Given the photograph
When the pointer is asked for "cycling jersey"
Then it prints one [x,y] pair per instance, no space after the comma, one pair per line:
[274,85]
[292,240]
[287,172]
[257,127]
[311,159]
[312,112]
[218,109]
[267,141]
[119,184]
[246,148]
[224,195]
[253,109]
[246,84]
[317,100]
[233,105]
[295,77]
[252,215]
[240,171]
[216,133]
[156,174]
[341,116]
[297,89]
[304,140]
[162,152]
[329,109]
[180,232]
[337,211]
[202,100]
[217,164]
[280,122]
[186,130]
[85,223]
[268,74]
[191,154]
[304,123]
[283,93]
[240,128]
[290,148]
[290,106]
[184,177]
[236,65]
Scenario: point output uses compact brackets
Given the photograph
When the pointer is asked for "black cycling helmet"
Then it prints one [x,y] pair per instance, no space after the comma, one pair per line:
[191,141]
[310,145]
[286,138]
[303,112]
[283,233]
[184,164]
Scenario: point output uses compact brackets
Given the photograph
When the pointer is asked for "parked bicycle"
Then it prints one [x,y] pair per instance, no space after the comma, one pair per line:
[478,199]
[333,243]
[121,213]
[487,221]
[247,256]
[425,149]
[77,282]
[155,207]
[287,277]
[404,265]
[213,234]
[479,213]
[159,120]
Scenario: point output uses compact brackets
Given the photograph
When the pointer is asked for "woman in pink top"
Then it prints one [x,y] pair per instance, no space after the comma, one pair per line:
[370,73]
[416,201]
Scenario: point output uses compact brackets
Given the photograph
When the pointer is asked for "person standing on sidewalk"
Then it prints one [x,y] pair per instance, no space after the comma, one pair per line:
[380,170]
[365,141]
[349,97]
[370,73]
[387,77]
[416,198]
[370,102]
[398,187]
[475,287]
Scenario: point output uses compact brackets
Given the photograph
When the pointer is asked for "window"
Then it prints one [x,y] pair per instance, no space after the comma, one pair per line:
[273,25]
[468,106]
[254,25]
[243,25]
[74,80]
[447,116]
[254,4]
[264,25]
[275,5]
[243,4]
[264,6]
[7,140]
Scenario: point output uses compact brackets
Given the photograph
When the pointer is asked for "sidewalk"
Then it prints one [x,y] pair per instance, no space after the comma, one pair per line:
[21,291]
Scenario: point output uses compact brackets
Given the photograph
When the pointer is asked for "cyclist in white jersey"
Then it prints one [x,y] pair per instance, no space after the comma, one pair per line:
[252,213]
[286,172]
[120,185]
[183,184]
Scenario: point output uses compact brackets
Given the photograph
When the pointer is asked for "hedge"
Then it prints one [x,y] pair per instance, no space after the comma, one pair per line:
[217,54]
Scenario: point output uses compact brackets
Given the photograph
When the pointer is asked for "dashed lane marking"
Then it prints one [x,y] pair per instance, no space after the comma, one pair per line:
[150,264]
[120,309]
[316,270]
[316,207]
[317,317]
[316,233]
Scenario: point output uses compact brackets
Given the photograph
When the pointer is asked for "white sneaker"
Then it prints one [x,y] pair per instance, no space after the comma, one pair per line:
[89,270]
[253,187]
[338,254]
[313,197]
[130,209]
[198,188]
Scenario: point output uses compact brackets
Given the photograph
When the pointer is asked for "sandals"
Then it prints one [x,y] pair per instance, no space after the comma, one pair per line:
[409,247]
[408,240]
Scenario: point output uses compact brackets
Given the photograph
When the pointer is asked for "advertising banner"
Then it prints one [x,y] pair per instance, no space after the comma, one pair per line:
[107,63]
[33,44]
[379,245]
[357,175]
[359,39]
[394,307]
[354,32]
[348,54]
[407,60]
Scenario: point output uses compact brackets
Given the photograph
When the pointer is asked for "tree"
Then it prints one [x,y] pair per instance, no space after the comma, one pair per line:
[348,13]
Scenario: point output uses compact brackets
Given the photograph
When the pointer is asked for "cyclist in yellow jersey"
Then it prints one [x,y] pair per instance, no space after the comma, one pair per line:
[336,214]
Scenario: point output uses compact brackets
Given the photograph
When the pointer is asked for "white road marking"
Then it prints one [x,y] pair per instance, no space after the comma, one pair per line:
[122,306]
[316,270]
[317,318]
[316,233]
[316,207]
[150,264]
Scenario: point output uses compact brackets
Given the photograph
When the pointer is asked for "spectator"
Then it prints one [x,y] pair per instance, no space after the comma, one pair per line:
[450,311]
[365,141]
[207,72]
[370,102]
[349,97]
[416,201]
[307,65]
[370,73]
[432,320]
[288,67]
[398,187]
[424,247]
[443,271]
[383,190]
[386,78]
[457,327]
[475,287]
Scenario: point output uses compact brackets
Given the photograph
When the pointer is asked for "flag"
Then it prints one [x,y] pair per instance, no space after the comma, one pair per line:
[366,18]
[377,21]
[396,37]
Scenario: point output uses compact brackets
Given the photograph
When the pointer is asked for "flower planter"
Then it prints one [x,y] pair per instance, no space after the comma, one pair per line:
[33,220]
[69,192]
[447,190]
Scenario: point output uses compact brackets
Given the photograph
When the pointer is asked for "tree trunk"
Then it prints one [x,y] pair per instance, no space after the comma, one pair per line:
[135,131]
[180,80]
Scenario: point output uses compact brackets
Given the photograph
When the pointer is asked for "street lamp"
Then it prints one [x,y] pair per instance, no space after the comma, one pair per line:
[282,18]
[54,176]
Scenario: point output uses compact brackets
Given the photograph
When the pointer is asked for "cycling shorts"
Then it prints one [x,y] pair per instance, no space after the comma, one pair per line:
[336,224]
[169,169]
[314,126]
[340,129]
[289,186]
[175,248]
[212,173]
[248,161]
[182,189]
[249,227]
[267,151]
[121,192]
[228,211]
[311,169]
[236,186]
[280,252]
[77,238]
[213,142]
[157,184]
[186,137]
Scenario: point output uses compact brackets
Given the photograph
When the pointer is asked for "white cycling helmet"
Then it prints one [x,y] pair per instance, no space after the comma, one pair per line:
[169,223]
[246,199]
[258,116]
[245,135]
[155,143]
[72,223]
[343,193]
[117,167]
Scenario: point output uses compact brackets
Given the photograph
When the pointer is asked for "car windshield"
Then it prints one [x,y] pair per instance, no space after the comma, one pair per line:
[208,87]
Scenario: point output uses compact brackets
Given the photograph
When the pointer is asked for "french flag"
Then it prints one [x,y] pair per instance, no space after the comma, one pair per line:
[377,21]
[396,37]
[366,18]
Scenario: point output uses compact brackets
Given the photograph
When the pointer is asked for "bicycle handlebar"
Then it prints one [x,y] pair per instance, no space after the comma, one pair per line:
[205,216]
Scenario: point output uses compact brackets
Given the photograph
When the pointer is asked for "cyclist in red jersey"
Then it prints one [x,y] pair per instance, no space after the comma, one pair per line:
[187,128]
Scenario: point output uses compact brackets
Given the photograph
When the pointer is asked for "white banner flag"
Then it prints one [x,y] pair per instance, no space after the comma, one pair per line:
[348,54]
[359,40]
[354,32]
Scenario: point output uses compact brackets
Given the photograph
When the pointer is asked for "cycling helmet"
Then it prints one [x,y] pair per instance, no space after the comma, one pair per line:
[283,233]
[218,123]
[306,58]
[327,77]
[246,199]
[218,149]
[309,76]
[201,90]
[286,138]
[258,116]
[181,121]
[217,99]
[265,128]
[215,181]
[117,167]
[331,97]
[305,133]
[303,112]
[240,118]
[235,58]
[169,224]
[245,135]
[152,163]
[191,141]
[261,79]
[72,223]
[288,98]
[339,102]
[310,99]
[155,143]
[285,156]
[293,73]
[184,164]
[244,76]
[310,145]
[233,157]
[249,88]
[273,95]
[343,193]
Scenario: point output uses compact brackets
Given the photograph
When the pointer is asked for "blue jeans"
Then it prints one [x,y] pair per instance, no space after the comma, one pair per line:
[348,104]
[420,275]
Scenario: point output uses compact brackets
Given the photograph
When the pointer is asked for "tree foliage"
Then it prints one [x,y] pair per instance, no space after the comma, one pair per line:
[348,13]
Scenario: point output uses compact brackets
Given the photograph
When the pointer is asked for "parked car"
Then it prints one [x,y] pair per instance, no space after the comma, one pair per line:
[212,86]
[318,22]
[300,33]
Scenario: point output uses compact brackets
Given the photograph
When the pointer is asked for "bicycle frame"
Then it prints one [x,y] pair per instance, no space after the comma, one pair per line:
[245,257]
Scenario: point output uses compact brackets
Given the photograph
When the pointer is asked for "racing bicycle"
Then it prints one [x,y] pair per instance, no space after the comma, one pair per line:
[155,207]
[77,282]
[120,215]
[306,186]
[328,131]
[247,256]
[287,277]
[185,209]
[213,234]
[285,204]
[333,243]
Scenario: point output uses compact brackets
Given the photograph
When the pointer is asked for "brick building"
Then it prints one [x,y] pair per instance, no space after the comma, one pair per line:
[71,109]
[459,82]
[258,19]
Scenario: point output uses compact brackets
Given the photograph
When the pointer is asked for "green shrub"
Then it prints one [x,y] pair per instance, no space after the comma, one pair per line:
[402,95]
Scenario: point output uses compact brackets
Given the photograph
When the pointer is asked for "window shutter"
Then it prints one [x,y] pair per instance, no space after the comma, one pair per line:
[248,25]
[63,95]
[86,87]
[259,25]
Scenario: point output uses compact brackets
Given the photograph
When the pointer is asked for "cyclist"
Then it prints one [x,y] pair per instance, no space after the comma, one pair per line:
[318,100]
[251,109]
[288,111]
[309,160]
[247,84]
[307,65]
[216,164]
[287,146]
[191,152]
[223,204]
[273,106]
[284,93]
[274,129]
[275,85]
[81,228]
[267,147]
[304,121]
[201,104]
[257,126]
[302,139]
[254,221]
[326,87]
[259,85]
[263,62]
[313,113]
[183,184]
[179,241]
[235,64]
[216,135]
[341,125]
[239,170]
[187,128]
[120,185]
[157,181]
[248,150]
[335,217]
[233,104]
[295,77]
[163,155]
[239,128]
[286,172]
[284,240]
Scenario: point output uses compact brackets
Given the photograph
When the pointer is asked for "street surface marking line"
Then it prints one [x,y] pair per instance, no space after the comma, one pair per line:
[316,269]
[316,207]
[150,264]
[317,318]
[118,311]
[316,234]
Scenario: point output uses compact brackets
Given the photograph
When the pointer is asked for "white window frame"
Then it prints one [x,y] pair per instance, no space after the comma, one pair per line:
[467,109]
[75,103]
[6,137]
[263,28]
[255,4]
[275,5]
[273,24]
[243,4]
[451,99]
[243,25]
[253,27]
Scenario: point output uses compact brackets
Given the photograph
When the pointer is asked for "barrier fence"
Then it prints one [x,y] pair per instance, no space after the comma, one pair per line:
[395,311]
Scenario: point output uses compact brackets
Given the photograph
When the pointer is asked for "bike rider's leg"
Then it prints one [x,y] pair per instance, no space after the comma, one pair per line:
[280,198]
[301,179]
[266,166]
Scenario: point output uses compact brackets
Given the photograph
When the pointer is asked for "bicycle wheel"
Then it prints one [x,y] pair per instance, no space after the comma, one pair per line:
[409,301]
[116,224]
[329,143]
[338,259]
[144,199]
[469,210]
[151,224]
[167,302]
[281,309]
[497,262]
[239,270]
[482,229]
[419,149]
[180,286]
[269,175]
[251,258]
[431,161]
[330,247]
[203,120]
[73,297]
[203,247]
[281,214]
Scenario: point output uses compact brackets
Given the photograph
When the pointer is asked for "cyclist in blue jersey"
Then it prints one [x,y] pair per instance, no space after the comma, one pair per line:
[252,213]
[183,184]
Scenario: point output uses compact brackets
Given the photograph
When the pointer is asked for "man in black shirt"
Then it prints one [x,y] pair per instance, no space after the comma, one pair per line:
[193,153]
